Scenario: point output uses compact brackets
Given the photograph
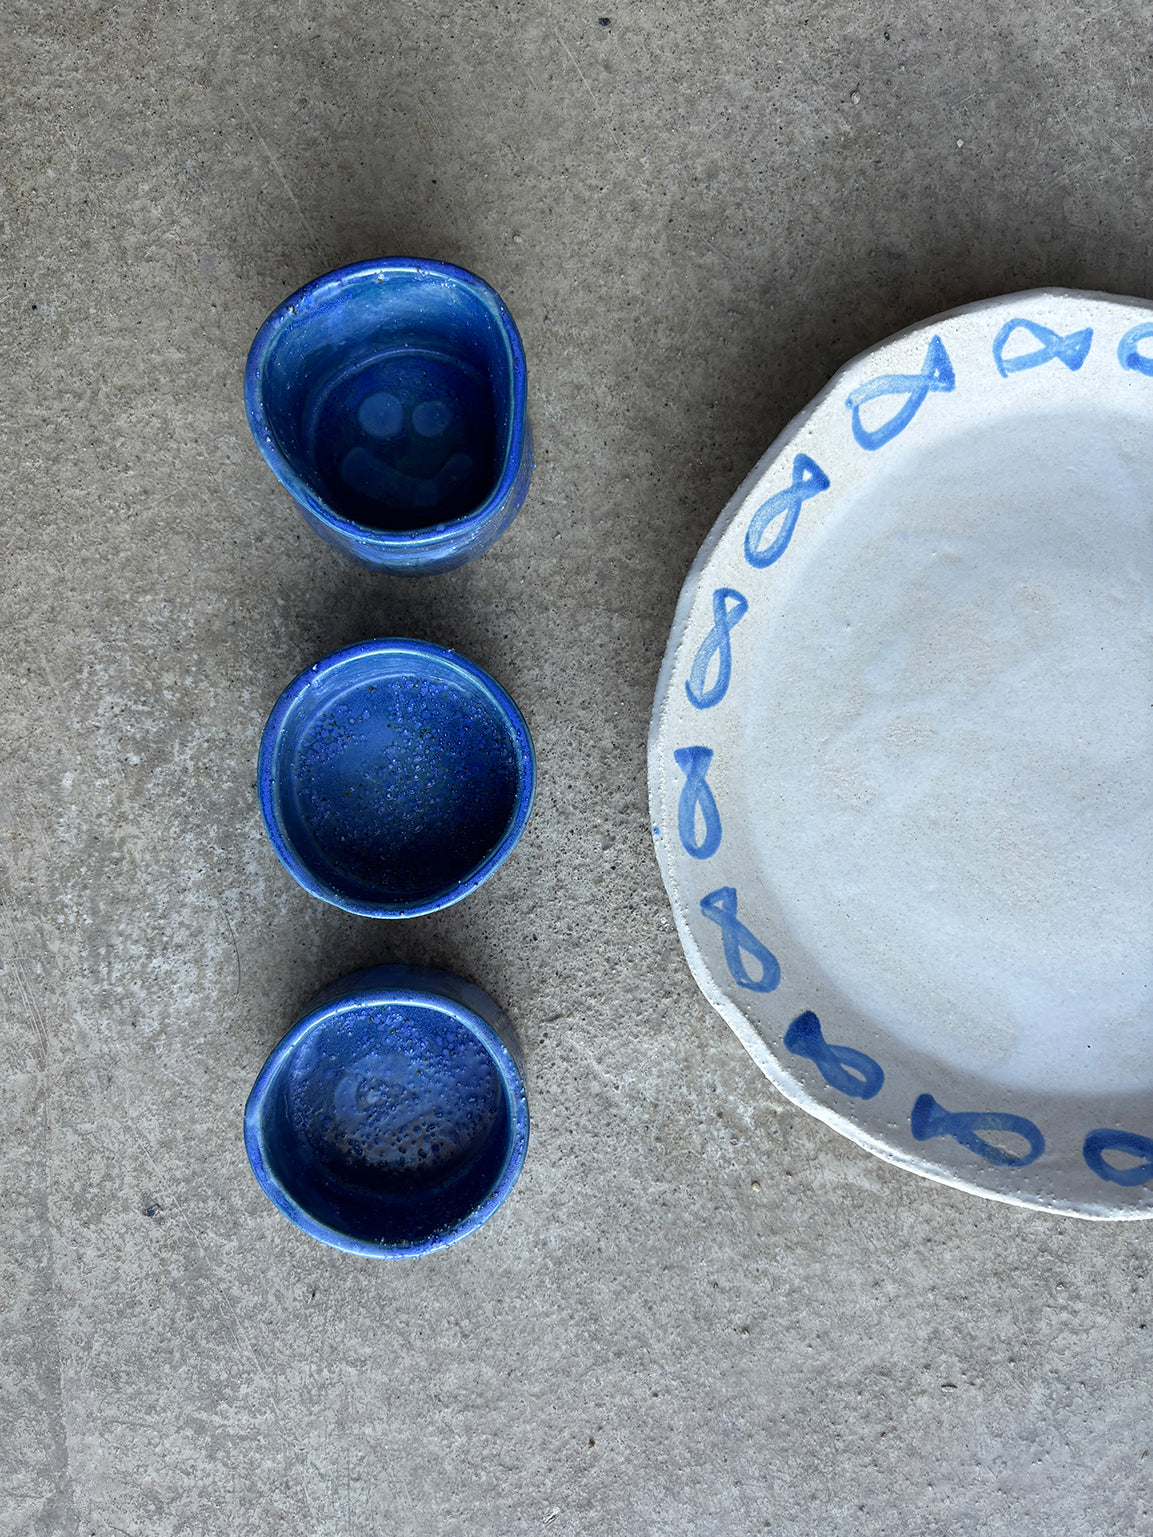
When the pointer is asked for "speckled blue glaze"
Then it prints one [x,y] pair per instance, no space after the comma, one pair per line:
[389,398]
[391,1120]
[394,778]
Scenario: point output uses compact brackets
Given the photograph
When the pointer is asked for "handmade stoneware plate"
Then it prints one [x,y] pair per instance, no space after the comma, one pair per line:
[901,758]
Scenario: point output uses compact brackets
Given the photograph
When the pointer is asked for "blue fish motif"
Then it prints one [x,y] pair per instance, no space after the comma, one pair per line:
[1072,349]
[1127,353]
[697,795]
[721,907]
[843,1068]
[729,608]
[1104,1140]
[936,375]
[929,1119]
[809,479]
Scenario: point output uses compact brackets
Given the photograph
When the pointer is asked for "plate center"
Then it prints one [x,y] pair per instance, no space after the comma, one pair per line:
[947,751]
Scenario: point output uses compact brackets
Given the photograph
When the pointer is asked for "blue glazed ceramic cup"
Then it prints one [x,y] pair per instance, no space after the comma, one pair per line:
[394,778]
[391,1120]
[389,398]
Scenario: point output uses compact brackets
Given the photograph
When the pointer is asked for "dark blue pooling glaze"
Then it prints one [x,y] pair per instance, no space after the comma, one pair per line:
[388,1123]
[404,440]
[391,1120]
[389,398]
[394,778]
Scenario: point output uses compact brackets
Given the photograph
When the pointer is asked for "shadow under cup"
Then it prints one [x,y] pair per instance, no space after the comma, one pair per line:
[389,398]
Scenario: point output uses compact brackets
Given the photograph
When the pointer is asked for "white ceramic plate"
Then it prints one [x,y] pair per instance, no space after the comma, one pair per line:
[901,753]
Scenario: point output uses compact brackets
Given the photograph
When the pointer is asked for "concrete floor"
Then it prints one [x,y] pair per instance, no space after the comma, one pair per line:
[701,1312]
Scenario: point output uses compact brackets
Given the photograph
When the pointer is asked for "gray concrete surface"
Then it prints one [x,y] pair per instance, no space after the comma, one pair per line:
[701,1313]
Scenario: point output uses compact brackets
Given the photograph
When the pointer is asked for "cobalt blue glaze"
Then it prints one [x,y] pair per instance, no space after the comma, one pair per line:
[809,479]
[720,907]
[1072,349]
[697,796]
[391,1120]
[936,375]
[1127,350]
[389,398]
[394,778]
[843,1067]
[929,1119]
[729,608]
[1107,1140]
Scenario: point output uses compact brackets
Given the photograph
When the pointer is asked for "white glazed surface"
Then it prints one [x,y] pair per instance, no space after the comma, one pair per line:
[929,770]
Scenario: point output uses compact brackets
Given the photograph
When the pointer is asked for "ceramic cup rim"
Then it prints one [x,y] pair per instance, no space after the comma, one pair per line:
[312,297]
[380,996]
[277,727]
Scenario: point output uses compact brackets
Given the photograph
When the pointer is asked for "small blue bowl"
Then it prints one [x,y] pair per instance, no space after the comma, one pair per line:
[389,398]
[394,778]
[391,1120]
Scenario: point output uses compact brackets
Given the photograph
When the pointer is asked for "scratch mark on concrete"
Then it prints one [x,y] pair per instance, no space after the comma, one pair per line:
[577,67]
[275,164]
[1064,176]
[232,936]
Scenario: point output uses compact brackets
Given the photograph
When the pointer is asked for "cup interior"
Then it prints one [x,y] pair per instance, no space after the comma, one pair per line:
[387,1123]
[394,778]
[389,392]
